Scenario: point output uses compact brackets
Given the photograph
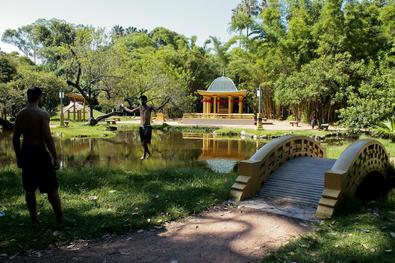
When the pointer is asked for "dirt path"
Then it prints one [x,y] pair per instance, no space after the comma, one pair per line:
[221,235]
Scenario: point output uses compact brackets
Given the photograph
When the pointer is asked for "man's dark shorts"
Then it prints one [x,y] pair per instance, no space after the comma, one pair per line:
[145,134]
[37,169]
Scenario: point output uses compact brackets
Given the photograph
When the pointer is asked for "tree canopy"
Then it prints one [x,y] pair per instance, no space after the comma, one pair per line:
[334,57]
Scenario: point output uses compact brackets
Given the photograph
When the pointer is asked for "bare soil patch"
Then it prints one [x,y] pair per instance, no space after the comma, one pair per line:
[223,234]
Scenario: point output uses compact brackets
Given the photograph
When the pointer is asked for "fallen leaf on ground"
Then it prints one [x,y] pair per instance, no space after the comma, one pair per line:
[93,198]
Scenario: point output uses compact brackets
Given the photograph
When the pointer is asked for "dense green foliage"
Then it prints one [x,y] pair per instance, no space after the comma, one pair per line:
[333,57]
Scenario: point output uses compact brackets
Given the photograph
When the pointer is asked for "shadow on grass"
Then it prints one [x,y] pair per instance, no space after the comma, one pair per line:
[217,238]
[360,232]
[101,201]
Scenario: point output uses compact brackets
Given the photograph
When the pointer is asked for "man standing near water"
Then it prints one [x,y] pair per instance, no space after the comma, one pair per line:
[38,168]
[145,123]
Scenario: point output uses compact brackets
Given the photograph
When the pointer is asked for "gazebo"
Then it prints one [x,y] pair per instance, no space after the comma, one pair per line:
[76,106]
[222,97]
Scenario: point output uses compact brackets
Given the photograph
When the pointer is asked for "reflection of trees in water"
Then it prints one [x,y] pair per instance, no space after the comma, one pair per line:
[124,151]
[169,149]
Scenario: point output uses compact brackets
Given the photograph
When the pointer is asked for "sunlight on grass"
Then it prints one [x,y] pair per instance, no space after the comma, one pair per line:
[363,236]
[99,201]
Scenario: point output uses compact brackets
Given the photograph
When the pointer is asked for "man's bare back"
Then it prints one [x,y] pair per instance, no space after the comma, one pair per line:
[31,121]
[38,166]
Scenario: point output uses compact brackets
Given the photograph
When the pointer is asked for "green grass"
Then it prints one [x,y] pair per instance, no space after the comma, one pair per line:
[126,201]
[334,151]
[362,236]
[81,130]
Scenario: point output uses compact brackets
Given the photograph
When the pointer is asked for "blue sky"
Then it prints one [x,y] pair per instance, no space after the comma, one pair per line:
[202,18]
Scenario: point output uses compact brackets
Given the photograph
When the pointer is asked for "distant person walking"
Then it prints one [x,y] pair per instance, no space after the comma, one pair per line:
[313,119]
[145,123]
[38,165]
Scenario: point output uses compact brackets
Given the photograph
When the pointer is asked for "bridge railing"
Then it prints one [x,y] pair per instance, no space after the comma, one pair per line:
[354,164]
[256,170]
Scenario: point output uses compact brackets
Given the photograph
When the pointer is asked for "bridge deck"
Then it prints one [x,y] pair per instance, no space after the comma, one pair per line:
[294,189]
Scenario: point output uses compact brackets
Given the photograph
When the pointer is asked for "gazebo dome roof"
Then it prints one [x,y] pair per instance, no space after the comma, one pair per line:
[222,84]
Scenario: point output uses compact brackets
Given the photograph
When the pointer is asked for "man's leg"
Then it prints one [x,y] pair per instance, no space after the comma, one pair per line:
[32,205]
[53,198]
[147,153]
[143,156]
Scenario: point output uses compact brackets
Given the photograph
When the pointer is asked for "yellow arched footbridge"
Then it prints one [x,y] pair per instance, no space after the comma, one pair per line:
[294,169]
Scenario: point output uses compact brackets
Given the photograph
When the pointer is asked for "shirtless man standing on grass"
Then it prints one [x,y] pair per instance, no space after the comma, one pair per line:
[38,168]
[145,123]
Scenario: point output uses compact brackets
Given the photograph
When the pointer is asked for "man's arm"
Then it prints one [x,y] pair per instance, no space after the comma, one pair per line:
[49,141]
[129,110]
[17,143]
[162,105]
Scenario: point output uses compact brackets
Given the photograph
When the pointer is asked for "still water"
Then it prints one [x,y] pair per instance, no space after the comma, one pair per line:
[169,149]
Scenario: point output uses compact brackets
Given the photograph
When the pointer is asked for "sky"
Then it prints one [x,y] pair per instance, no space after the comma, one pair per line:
[202,18]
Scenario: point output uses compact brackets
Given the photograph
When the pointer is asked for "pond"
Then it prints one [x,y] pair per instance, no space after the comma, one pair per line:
[169,149]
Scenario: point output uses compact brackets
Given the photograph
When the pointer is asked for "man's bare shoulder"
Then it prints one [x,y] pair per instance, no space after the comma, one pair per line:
[38,112]
[44,113]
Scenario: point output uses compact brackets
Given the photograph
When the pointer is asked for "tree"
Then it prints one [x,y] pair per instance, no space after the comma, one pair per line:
[244,15]
[87,67]
[7,69]
[221,51]
[24,39]
[373,101]
[329,30]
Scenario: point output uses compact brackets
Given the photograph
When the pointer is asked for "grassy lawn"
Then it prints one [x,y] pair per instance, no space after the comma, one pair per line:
[100,201]
[83,130]
[334,151]
[365,235]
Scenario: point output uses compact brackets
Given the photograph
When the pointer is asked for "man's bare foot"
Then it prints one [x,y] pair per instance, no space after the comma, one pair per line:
[142,157]
[148,156]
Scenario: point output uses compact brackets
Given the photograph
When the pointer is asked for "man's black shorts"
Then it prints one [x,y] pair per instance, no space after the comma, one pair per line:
[37,169]
[145,133]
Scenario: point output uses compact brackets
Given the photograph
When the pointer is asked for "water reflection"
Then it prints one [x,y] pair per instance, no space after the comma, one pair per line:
[169,149]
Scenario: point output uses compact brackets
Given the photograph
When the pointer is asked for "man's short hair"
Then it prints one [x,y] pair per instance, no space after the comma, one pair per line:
[143,97]
[33,94]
